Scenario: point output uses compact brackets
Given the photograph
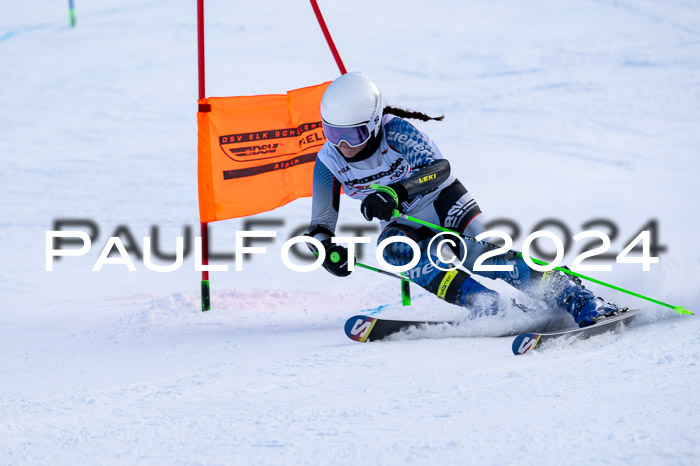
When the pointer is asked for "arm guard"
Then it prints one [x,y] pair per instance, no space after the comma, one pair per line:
[423,180]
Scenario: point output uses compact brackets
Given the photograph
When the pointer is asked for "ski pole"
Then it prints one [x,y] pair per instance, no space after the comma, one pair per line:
[383,272]
[405,290]
[71,13]
[335,257]
[679,309]
[405,281]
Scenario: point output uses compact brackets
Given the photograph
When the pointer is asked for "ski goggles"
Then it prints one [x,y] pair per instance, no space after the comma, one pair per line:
[352,135]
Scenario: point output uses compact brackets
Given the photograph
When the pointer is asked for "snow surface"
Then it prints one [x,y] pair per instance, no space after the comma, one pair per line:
[571,110]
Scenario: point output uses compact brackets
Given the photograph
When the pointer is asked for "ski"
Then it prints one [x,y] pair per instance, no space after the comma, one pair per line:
[364,328]
[528,341]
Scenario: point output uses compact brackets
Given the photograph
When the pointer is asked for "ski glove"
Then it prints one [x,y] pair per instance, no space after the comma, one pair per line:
[380,204]
[424,179]
[336,261]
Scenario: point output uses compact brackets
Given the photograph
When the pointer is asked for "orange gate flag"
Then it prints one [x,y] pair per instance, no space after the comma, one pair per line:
[256,153]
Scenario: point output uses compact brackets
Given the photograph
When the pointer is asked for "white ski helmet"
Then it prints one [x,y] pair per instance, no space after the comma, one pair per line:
[351,109]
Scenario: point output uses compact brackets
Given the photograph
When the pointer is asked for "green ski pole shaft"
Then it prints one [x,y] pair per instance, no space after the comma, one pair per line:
[383,272]
[679,309]
[405,289]
[71,13]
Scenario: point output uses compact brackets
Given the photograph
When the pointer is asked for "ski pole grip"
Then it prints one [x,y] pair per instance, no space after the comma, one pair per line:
[334,257]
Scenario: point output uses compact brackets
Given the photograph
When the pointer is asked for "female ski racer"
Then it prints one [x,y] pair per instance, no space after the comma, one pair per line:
[369,144]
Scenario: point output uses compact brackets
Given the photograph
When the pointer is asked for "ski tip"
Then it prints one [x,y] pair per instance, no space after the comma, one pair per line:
[359,327]
[681,310]
[525,342]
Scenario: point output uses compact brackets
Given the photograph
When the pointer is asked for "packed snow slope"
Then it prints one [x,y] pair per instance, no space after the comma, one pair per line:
[574,111]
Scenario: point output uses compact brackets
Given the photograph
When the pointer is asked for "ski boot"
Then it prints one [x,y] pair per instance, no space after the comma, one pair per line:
[582,304]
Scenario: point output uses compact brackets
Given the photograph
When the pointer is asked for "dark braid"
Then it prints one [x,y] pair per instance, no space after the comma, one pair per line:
[403,113]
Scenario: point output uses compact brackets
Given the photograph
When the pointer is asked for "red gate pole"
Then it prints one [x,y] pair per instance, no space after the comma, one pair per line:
[327,35]
[200,47]
[206,305]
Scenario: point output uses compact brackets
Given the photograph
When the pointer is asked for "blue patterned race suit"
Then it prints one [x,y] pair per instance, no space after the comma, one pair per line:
[399,150]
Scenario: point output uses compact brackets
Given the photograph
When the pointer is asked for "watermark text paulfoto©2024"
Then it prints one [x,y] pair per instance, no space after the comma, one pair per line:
[540,248]
[439,244]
